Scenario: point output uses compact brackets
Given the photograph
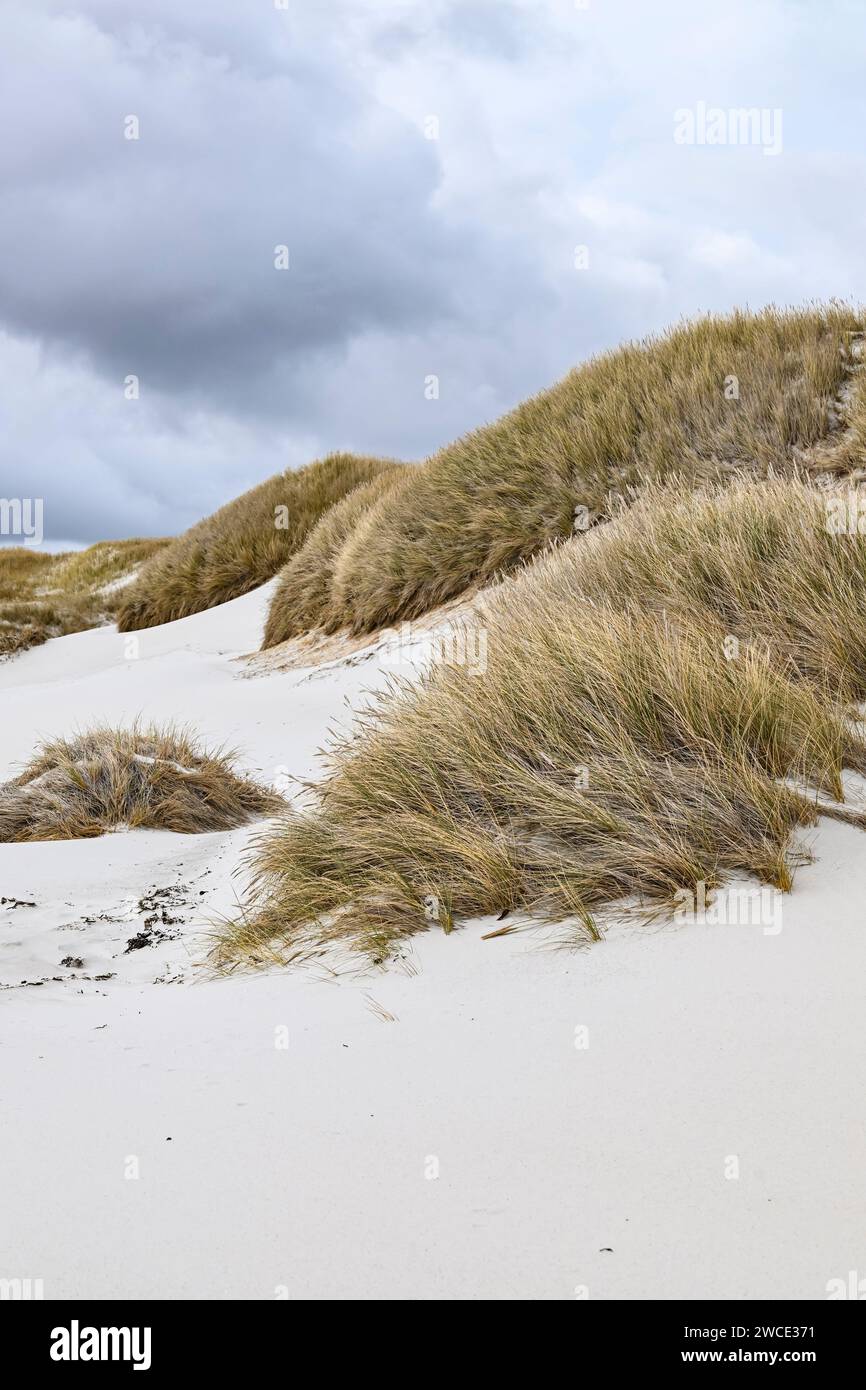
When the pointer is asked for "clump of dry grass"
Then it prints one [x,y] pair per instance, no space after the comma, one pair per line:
[49,595]
[242,545]
[303,597]
[618,744]
[160,779]
[748,391]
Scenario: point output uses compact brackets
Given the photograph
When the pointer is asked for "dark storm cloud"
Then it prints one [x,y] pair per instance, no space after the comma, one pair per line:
[156,255]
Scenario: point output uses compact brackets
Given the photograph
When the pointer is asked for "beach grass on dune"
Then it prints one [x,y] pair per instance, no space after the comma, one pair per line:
[46,595]
[104,778]
[712,397]
[746,391]
[762,562]
[303,597]
[242,545]
[662,704]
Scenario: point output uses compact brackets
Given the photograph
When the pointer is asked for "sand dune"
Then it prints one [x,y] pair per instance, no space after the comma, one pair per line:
[488,1118]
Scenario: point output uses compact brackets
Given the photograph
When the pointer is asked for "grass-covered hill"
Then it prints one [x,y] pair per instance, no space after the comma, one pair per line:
[242,545]
[664,676]
[363,542]
[43,595]
[754,392]
[304,598]
[660,705]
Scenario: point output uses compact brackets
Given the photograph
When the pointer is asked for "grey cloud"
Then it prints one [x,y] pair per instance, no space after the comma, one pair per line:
[409,256]
[156,255]
[491,28]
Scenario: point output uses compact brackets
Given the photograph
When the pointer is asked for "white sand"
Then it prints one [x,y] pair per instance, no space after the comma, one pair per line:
[305,1170]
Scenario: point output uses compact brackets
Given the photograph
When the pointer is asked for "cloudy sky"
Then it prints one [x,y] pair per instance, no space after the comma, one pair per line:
[434,168]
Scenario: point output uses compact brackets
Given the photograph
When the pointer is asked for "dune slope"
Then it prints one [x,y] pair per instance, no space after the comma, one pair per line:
[243,544]
[531,1124]
[48,595]
[643,712]
[749,391]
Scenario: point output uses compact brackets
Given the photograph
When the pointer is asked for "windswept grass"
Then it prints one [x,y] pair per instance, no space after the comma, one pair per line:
[303,598]
[761,563]
[663,703]
[160,779]
[44,595]
[747,392]
[242,545]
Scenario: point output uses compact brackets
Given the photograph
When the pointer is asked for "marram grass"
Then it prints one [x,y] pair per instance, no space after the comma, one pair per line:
[242,545]
[663,703]
[99,780]
[50,595]
[303,598]
[702,402]
[754,392]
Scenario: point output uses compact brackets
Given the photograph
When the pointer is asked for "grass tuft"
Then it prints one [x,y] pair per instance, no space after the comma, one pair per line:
[159,779]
